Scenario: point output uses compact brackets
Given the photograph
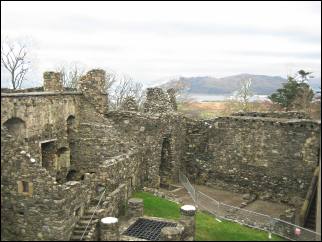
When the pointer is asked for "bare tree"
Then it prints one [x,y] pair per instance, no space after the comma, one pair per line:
[123,87]
[70,74]
[14,60]
[245,93]
[111,79]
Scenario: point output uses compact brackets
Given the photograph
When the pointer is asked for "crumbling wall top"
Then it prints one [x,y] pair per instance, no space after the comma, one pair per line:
[158,101]
[52,81]
[275,114]
[93,81]
[129,104]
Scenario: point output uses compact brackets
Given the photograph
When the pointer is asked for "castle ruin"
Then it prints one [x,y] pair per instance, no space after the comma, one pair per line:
[60,150]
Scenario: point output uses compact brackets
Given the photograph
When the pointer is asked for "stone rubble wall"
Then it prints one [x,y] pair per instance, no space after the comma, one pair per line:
[45,117]
[158,101]
[120,151]
[93,87]
[129,104]
[41,113]
[47,212]
[268,114]
[147,133]
[274,158]
[116,202]
[52,81]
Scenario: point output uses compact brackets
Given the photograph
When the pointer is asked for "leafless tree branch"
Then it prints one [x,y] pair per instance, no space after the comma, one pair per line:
[70,74]
[14,60]
[123,87]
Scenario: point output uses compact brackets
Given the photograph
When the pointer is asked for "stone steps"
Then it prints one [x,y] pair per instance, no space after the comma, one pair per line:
[310,222]
[75,238]
[82,224]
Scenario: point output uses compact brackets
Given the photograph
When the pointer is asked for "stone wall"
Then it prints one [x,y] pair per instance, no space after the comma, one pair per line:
[69,137]
[288,114]
[129,104]
[60,150]
[93,87]
[274,158]
[147,132]
[43,210]
[158,101]
[52,81]
[44,116]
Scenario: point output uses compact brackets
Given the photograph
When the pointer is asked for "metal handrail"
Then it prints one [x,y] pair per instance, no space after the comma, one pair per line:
[305,209]
[93,214]
[318,235]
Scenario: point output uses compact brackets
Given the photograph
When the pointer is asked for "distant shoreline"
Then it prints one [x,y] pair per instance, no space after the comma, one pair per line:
[222,97]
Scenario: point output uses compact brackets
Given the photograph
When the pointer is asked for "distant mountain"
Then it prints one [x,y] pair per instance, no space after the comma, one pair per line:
[261,84]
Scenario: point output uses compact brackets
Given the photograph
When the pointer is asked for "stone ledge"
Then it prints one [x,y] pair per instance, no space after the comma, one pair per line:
[22,94]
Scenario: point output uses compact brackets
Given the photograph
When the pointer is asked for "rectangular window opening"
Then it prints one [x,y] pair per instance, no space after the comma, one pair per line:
[25,186]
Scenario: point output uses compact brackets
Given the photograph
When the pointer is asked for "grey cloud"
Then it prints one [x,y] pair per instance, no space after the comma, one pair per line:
[294,54]
[87,24]
[93,47]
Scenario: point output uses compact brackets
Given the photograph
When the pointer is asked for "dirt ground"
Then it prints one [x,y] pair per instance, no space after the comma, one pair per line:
[235,199]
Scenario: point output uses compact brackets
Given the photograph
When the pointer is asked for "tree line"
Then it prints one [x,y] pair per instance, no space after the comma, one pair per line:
[15,60]
[295,94]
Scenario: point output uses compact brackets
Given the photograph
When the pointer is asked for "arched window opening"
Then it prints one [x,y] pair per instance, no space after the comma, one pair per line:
[16,127]
[71,124]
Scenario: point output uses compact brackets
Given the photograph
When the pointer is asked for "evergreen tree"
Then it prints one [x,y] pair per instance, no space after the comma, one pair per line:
[294,95]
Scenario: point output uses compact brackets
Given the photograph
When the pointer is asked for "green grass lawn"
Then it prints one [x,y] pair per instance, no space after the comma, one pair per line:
[207,227]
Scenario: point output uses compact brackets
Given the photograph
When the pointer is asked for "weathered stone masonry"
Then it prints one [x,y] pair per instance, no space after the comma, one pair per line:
[78,149]
[61,150]
[271,157]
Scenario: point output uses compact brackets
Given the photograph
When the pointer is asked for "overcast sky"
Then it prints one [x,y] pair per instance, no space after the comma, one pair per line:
[151,41]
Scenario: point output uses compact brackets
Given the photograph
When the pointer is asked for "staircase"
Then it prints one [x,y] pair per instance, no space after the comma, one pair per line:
[311,218]
[82,223]
[307,217]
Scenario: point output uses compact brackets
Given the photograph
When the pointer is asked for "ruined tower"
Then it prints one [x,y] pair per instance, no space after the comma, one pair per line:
[157,101]
[93,87]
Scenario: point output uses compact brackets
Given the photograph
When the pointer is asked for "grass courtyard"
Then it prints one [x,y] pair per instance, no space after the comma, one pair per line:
[207,227]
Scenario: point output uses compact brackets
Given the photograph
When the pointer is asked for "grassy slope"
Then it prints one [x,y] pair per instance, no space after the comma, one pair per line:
[207,227]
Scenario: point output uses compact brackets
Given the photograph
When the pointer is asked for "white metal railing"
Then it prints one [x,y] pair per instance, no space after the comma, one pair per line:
[249,218]
[187,185]
[93,214]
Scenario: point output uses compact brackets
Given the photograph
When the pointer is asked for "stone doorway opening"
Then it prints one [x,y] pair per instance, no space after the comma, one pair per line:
[166,165]
[48,155]
[71,135]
